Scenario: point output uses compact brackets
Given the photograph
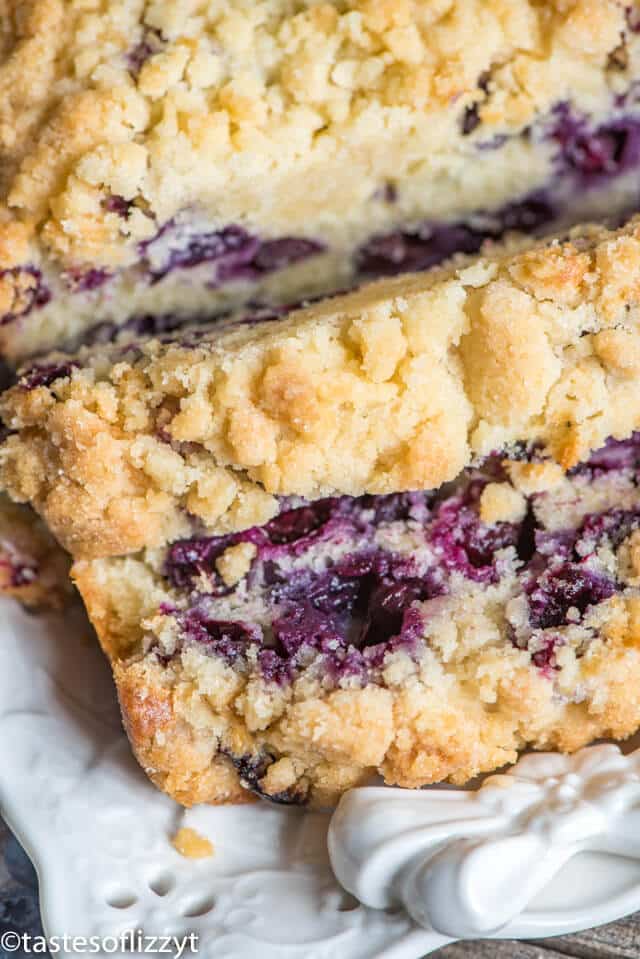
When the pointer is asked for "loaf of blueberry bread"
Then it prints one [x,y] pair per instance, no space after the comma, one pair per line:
[395,387]
[285,616]
[162,162]
[421,636]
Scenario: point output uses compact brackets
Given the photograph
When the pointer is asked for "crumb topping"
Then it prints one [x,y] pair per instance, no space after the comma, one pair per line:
[170,104]
[127,447]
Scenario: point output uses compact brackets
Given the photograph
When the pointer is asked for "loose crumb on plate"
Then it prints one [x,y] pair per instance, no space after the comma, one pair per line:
[191,844]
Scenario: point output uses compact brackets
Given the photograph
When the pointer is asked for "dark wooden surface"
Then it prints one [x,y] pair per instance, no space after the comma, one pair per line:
[18,892]
[620,940]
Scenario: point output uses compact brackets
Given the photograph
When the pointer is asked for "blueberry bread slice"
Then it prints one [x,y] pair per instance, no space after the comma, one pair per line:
[33,568]
[396,387]
[161,161]
[422,636]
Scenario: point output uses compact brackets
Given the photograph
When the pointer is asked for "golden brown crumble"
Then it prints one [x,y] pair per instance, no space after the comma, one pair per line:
[417,375]
[260,82]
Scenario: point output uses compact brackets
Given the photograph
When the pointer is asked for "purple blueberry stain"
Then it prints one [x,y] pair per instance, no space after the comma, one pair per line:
[138,56]
[291,532]
[569,586]
[586,156]
[277,254]
[21,573]
[468,546]
[357,601]
[471,116]
[45,374]
[614,455]
[401,251]
[633,18]
[117,204]
[149,43]
[464,543]
[594,154]
[193,327]
[31,292]
[344,612]
[562,582]
[233,252]
[229,249]
[80,280]
[228,639]
[615,525]
[189,559]
[387,193]
[366,598]
[542,649]
[390,612]
[252,768]
[470,119]
[545,657]
[143,326]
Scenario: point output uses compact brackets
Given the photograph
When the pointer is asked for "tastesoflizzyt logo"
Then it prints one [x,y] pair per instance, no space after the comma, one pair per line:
[133,941]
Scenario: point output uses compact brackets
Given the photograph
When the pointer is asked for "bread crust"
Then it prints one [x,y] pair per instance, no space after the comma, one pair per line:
[397,386]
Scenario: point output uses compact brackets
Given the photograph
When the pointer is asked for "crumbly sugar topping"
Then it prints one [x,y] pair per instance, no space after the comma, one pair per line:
[125,448]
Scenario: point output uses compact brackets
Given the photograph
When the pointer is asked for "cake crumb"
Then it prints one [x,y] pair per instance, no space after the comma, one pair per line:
[501,503]
[191,844]
[531,478]
[235,562]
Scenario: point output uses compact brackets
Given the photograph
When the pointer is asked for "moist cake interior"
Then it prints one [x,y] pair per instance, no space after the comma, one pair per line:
[341,592]
[595,171]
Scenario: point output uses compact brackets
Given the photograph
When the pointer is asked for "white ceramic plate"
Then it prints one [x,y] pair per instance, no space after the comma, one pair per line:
[99,833]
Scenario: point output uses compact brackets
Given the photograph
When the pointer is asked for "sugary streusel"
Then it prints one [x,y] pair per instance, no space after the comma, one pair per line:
[395,387]
[160,158]
[407,635]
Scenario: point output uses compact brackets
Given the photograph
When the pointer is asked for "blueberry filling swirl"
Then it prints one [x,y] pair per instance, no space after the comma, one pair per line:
[586,157]
[233,253]
[339,584]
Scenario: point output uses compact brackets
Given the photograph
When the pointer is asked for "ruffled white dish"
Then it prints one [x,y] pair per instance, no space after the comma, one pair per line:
[99,833]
